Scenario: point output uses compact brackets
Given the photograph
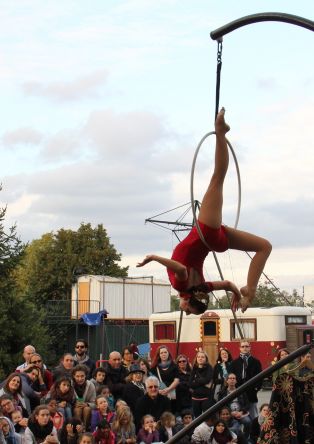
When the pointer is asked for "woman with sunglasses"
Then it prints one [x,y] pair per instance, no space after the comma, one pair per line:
[45,376]
[184,399]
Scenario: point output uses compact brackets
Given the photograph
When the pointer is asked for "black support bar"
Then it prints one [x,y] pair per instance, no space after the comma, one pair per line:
[262,17]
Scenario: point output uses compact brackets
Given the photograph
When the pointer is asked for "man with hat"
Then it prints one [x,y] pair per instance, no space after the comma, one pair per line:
[134,388]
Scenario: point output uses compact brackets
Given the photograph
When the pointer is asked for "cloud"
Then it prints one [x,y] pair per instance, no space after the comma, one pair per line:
[21,136]
[85,86]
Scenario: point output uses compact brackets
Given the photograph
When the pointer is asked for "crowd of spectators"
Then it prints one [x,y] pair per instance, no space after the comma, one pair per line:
[128,399]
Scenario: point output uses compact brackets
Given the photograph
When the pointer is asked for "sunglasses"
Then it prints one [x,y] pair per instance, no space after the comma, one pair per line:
[80,346]
[36,362]
[181,360]
[153,387]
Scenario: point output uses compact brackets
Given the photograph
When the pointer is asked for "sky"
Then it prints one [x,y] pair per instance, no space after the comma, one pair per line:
[104,103]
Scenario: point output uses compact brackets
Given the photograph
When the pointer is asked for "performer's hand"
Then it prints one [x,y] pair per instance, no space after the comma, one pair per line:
[236,296]
[147,259]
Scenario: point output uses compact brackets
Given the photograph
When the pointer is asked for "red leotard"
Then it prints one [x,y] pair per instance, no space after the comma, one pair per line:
[192,252]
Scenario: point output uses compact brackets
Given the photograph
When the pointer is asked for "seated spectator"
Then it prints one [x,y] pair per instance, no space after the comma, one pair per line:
[116,374]
[63,392]
[148,432]
[167,426]
[127,357]
[86,438]
[81,356]
[55,415]
[64,368]
[187,418]
[144,365]
[152,403]
[19,422]
[85,394]
[306,365]
[239,406]
[123,426]
[13,386]
[70,431]
[134,387]
[9,434]
[101,412]
[221,434]
[40,428]
[257,422]
[45,376]
[105,391]
[29,377]
[27,353]
[103,433]
[8,405]
[232,424]
[99,377]
[202,433]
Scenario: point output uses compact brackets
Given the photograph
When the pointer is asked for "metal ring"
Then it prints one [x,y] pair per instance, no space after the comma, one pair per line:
[192,186]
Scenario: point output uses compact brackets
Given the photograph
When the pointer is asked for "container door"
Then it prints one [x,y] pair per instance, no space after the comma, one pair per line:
[210,338]
[83,297]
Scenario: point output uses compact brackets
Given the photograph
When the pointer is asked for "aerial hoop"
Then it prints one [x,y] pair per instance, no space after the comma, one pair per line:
[192,185]
[262,17]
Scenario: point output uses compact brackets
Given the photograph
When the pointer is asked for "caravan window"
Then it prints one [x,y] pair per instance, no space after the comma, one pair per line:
[295,320]
[248,328]
[164,331]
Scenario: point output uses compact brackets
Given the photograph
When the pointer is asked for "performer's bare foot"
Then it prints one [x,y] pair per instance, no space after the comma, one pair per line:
[221,127]
[247,298]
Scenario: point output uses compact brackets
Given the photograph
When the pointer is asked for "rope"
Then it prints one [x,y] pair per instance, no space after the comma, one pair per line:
[237,215]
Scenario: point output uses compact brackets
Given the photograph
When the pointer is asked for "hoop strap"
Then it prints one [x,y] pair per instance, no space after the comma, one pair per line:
[218,74]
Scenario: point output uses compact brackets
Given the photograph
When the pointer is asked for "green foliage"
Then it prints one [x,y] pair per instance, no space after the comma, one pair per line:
[266,296]
[50,266]
[20,320]
[50,263]
[174,303]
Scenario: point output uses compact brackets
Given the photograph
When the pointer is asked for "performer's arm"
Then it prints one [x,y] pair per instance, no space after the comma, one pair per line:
[229,286]
[179,269]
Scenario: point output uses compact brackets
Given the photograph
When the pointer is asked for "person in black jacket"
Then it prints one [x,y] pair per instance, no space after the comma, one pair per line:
[134,387]
[81,356]
[245,367]
[239,406]
[115,374]
[183,391]
[152,403]
[200,383]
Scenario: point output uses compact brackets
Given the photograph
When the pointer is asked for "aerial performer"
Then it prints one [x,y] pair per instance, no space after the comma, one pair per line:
[185,268]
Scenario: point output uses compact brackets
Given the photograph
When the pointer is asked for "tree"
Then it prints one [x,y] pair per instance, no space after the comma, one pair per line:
[266,296]
[20,321]
[49,267]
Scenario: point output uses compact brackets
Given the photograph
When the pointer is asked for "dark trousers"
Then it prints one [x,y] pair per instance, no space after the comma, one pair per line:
[199,406]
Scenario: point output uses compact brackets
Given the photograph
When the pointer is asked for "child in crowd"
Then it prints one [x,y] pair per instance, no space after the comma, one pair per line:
[232,424]
[101,412]
[257,422]
[187,417]
[99,376]
[123,426]
[167,426]
[56,416]
[103,434]
[221,434]
[63,392]
[148,432]
[9,434]
[105,391]
[120,404]
[19,422]
[86,438]
[70,431]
